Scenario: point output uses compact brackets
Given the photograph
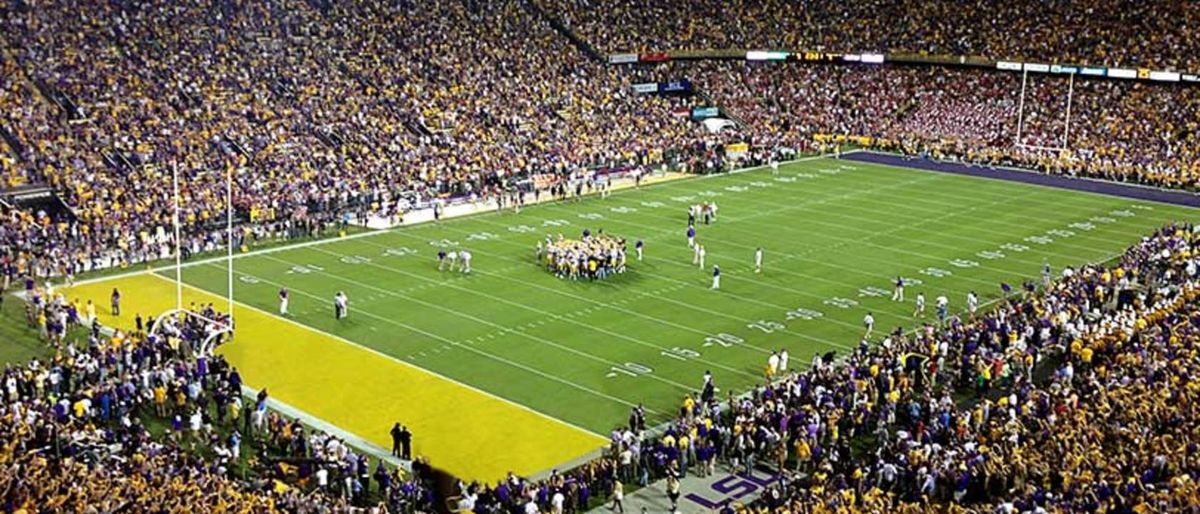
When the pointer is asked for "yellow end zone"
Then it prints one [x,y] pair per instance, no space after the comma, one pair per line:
[471,434]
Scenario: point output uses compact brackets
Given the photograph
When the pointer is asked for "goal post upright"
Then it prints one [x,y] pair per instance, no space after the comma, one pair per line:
[1067,127]
[1021,106]
[229,237]
[178,239]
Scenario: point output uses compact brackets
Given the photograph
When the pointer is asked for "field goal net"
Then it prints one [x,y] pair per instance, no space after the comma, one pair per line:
[198,333]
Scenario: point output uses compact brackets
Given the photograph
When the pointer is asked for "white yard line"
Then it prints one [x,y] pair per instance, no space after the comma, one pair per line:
[477,319]
[372,233]
[394,359]
[445,340]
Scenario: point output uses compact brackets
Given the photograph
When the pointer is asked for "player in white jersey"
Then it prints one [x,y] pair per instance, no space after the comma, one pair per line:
[920,311]
[283,302]
[774,166]
[943,308]
[972,303]
[783,360]
[341,305]
[451,260]
[639,246]
[869,324]
[758,256]
[466,261]
[701,252]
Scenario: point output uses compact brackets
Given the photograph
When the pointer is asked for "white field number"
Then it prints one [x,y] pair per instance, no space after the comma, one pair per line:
[630,369]
[803,314]
[303,269]
[723,339]
[766,326]
[354,259]
[402,251]
[841,303]
[682,354]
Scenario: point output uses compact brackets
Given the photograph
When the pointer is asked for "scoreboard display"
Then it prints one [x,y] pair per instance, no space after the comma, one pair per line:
[817,56]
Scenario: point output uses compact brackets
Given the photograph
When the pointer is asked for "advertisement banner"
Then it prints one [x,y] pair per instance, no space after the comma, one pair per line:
[758,55]
[1063,70]
[1190,78]
[1007,65]
[649,87]
[655,57]
[674,86]
[700,113]
[1143,73]
[1093,72]
[622,58]
[872,58]
[1164,76]
[1039,68]
[1122,73]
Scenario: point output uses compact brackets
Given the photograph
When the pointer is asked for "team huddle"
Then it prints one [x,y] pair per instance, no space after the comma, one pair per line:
[593,257]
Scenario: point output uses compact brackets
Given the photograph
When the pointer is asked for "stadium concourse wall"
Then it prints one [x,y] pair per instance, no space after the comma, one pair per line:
[1090,185]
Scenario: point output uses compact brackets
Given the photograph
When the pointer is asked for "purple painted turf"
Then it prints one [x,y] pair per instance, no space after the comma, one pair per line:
[1031,177]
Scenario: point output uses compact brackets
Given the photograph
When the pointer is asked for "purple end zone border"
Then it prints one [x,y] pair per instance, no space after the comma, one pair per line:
[1103,187]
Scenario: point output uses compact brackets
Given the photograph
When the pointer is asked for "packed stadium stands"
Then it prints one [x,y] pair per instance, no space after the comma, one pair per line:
[156,430]
[1097,32]
[1075,398]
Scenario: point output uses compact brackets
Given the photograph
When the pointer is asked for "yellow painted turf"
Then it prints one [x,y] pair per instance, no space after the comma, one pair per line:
[470,434]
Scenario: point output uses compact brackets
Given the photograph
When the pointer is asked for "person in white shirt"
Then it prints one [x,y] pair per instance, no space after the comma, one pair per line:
[972,303]
[783,360]
[466,261]
[283,301]
[943,308]
[758,256]
[772,365]
[920,310]
[556,502]
[774,167]
[869,324]
[341,305]
[701,252]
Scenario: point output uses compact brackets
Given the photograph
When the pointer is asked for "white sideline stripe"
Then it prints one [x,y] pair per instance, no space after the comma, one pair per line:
[401,362]
[372,233]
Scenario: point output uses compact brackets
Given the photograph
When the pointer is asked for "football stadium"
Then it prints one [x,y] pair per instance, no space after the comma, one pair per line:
[591,256]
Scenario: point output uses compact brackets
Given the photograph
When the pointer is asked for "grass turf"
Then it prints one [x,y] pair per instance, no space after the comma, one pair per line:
[836,235]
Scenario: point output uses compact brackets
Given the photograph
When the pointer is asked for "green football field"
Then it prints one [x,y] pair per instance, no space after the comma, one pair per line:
[836,234]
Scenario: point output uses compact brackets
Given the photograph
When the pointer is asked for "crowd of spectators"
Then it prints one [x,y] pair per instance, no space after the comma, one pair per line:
[308,106]
[1119,130]
[1076,397]
[135,421]
[1151,34]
